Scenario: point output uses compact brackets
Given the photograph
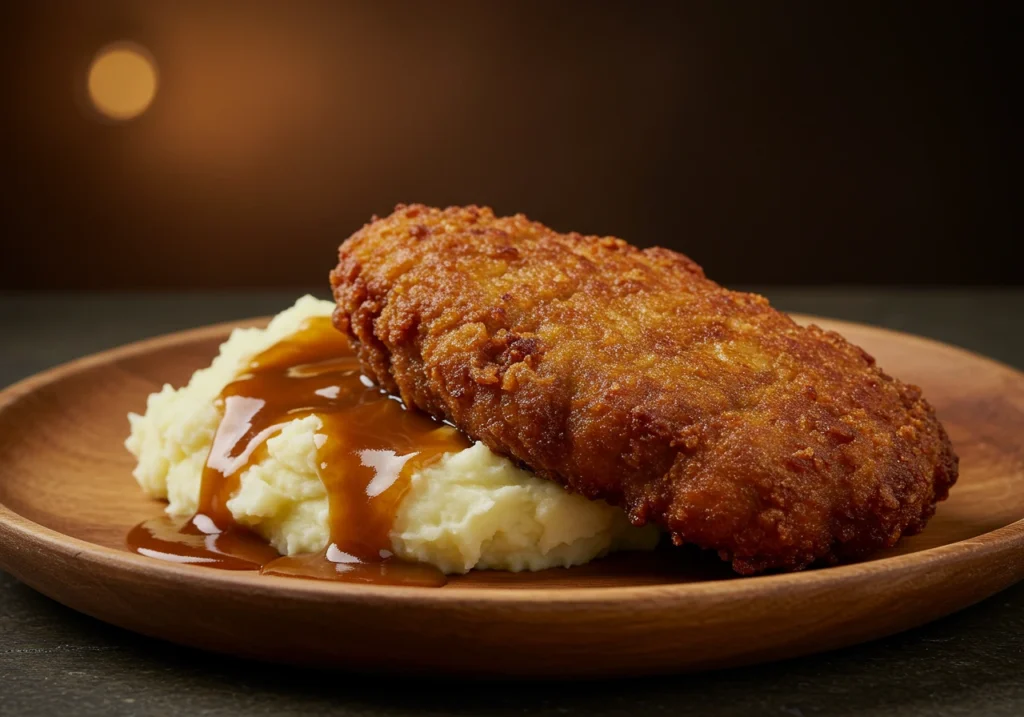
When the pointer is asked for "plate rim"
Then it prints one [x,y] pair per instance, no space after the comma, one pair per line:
[18,533]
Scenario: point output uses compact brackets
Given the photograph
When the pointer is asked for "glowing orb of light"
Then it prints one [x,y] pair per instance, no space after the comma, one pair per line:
[122,81]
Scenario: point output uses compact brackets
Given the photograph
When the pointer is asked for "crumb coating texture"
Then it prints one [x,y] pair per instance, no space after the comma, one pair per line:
[627,375]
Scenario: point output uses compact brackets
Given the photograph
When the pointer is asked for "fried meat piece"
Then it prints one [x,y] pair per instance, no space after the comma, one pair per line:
[626,375]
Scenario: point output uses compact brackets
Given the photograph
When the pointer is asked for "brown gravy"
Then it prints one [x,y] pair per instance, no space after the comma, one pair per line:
[373,445]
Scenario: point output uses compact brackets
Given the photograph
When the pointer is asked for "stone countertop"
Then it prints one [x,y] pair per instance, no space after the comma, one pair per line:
[54,661]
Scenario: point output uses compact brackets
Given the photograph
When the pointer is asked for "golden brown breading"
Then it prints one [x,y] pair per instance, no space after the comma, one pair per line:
[627,375]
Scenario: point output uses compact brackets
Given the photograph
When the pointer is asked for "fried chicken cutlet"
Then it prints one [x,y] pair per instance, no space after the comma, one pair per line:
[626,375]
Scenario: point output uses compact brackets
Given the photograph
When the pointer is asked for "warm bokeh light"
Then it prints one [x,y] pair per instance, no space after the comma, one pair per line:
[122,81]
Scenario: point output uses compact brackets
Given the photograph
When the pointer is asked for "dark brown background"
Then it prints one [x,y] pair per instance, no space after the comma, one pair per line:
[773,142]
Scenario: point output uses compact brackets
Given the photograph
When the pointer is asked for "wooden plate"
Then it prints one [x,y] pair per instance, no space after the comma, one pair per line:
[67,499]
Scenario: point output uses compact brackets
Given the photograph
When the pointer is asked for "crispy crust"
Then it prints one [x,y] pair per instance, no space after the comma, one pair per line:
[627,375]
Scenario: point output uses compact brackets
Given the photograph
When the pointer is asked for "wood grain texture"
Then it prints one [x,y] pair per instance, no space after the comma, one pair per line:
[67,500]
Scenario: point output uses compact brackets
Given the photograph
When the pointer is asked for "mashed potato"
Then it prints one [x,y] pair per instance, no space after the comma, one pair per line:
[471,509]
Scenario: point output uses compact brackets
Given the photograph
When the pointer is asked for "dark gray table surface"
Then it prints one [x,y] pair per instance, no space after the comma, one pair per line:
[53,660]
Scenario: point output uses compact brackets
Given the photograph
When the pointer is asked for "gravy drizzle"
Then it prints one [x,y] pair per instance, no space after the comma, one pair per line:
[371,446]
